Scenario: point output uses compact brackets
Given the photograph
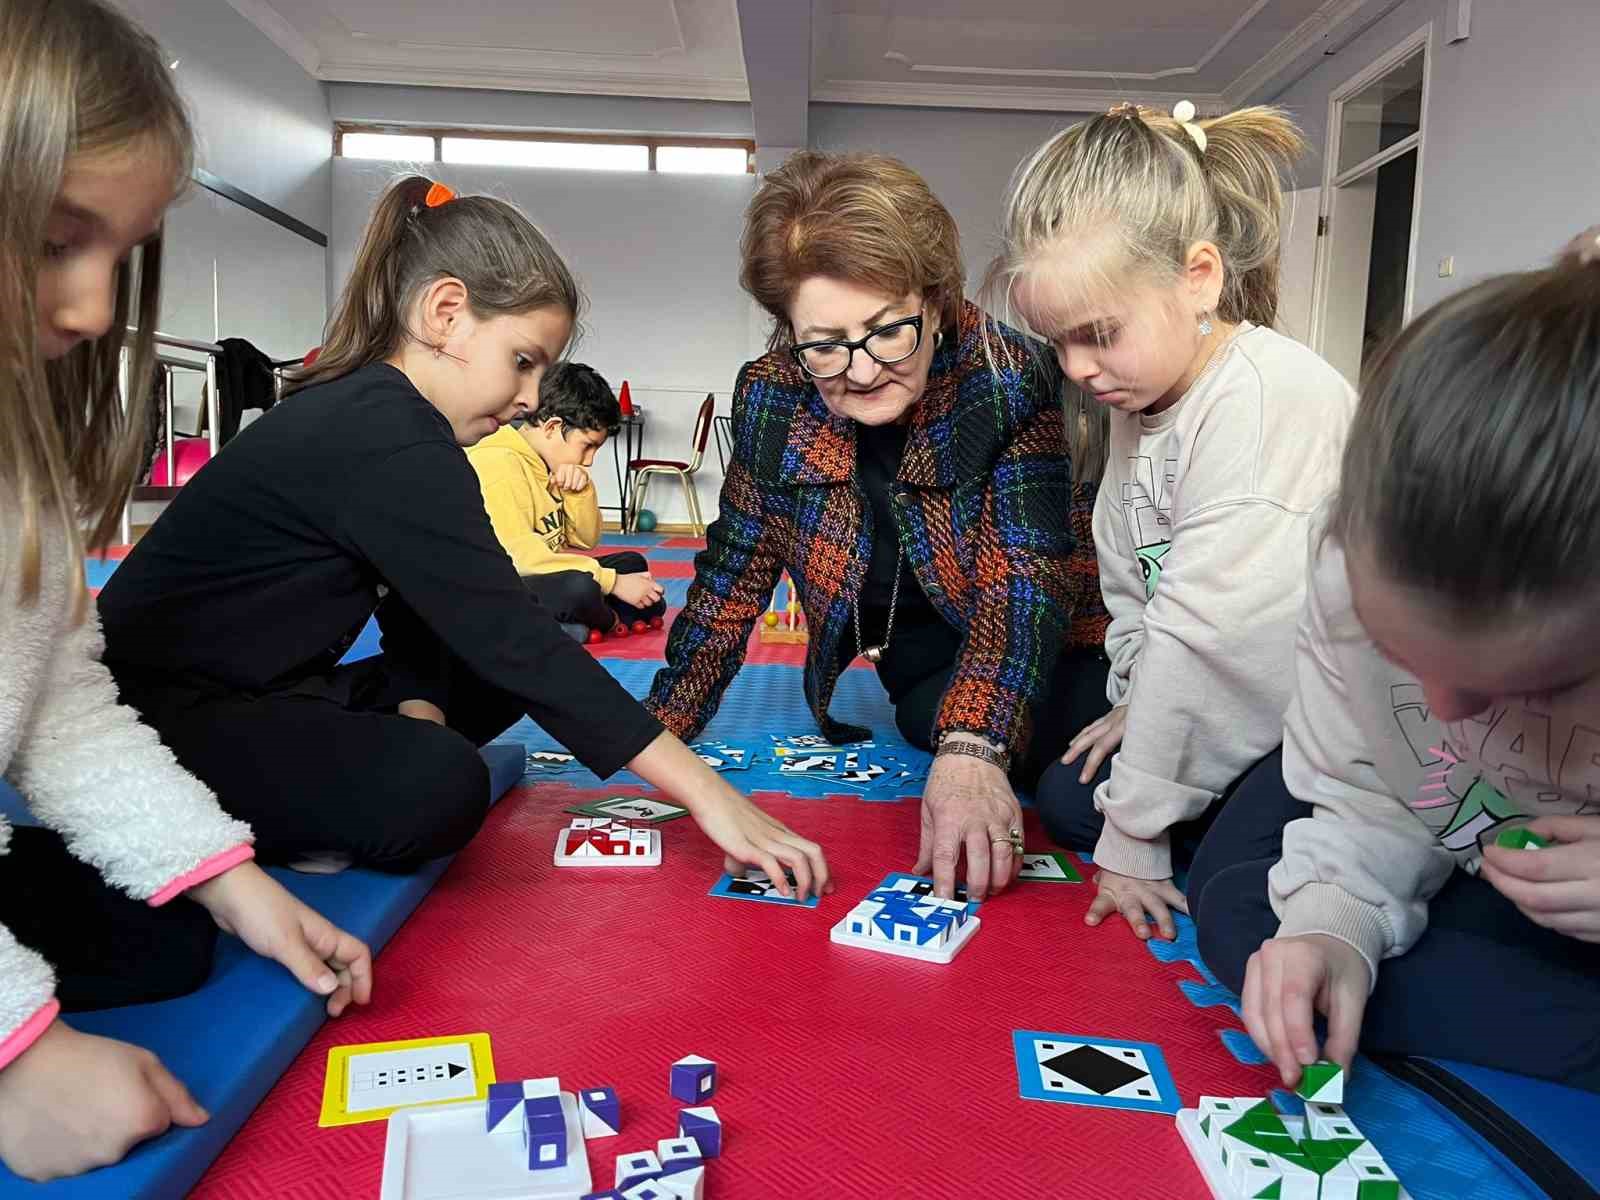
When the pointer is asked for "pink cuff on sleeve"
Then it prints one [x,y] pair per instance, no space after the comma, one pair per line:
[210,869]
[28,1032]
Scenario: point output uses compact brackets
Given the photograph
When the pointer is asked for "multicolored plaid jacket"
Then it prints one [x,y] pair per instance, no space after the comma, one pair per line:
[984,504]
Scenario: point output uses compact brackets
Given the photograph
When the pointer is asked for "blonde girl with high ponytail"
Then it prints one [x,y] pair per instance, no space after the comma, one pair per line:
[1144,248]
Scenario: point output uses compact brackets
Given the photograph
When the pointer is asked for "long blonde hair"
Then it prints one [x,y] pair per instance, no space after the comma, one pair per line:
[76,78]
[506,263]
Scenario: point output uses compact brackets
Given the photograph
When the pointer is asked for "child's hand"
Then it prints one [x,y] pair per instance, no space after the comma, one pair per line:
[1285,981]
[1134,898]
[1099,738]
[250,904]
[72,1102]
[570,477]
[749,837]
[637,589]
[1557,886]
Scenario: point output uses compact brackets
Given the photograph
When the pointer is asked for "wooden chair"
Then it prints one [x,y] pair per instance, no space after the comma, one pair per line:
[642,470]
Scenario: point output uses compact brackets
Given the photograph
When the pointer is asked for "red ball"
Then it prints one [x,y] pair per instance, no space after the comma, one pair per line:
[596,636]
[620,630]
[641,626]
[656,622]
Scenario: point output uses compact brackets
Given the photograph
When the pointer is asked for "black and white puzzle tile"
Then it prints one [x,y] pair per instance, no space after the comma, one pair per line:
[1072,1068]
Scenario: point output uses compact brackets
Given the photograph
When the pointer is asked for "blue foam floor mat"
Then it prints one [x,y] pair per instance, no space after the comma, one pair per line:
[255,1019]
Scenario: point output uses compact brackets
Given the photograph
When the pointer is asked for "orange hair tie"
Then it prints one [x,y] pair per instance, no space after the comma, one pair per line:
[438,194]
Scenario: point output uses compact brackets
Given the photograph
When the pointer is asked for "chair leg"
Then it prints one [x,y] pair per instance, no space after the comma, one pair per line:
[641,484]
[694,504]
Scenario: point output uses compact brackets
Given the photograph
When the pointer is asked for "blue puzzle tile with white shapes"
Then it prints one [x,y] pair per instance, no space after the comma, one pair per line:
[704,1126]
[693,1079]
[755,885]
[1071,1068]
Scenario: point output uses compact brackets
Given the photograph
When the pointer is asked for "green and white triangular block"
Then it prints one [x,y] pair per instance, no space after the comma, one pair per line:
[1322,1081]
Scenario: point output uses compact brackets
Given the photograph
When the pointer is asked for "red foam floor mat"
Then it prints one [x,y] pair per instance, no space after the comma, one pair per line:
[683,543]
[842,1073]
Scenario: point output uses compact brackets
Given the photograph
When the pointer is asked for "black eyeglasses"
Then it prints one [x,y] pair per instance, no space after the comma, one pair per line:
[887,344]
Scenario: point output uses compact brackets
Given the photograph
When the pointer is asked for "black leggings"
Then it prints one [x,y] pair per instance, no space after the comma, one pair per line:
[1483,985]
[921,660]
[575,598]
[107,949]
[329,766]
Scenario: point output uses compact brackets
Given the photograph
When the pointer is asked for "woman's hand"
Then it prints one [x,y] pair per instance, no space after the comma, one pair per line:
[1099,739]
[72,1102]
[745,834]
[1285,981]
[250,904]
[1557,886]
[1134,898]
[968,805]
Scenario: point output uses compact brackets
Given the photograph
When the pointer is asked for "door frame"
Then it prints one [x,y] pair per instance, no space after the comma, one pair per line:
[1333,179]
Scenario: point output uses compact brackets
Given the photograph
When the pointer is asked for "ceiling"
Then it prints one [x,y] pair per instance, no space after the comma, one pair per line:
[1048,55]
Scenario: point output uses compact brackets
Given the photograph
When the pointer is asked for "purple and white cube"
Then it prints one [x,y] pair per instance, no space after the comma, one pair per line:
[531,1108]
[704,1126]
[693,1079]
[600,1111]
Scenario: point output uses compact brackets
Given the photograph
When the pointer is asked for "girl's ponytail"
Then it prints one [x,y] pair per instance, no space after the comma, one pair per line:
[367,323]
[1248,153]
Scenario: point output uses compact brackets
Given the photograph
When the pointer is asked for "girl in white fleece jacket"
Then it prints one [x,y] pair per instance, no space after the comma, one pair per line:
[94,143]
[1446,714]
[1145,248]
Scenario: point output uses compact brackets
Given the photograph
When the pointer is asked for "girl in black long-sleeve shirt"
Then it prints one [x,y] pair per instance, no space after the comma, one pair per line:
[225,624]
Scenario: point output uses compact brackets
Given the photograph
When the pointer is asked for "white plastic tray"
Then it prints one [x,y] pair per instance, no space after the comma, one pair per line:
[840,933]
[442,1153]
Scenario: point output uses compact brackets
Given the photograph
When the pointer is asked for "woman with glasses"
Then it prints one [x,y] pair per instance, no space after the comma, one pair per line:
[902,457]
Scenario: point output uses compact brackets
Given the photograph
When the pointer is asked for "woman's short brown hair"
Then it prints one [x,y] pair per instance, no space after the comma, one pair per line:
[864,218]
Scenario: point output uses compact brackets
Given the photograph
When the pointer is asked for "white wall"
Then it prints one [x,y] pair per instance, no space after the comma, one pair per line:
[262,125]
[966,155]
[658,256]
[1511,161]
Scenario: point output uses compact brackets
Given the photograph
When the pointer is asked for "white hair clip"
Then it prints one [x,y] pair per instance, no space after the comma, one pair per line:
[1585,247]
[1183,114]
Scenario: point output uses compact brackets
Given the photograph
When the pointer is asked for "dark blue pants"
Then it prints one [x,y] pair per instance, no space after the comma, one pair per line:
[1483,985]
[575,598]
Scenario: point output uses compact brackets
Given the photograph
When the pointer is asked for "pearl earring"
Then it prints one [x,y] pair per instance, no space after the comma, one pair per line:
[1205,324]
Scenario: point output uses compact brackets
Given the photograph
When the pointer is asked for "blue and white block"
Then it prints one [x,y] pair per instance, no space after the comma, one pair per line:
[601,1112]
[650,1189]
[704,1126]
[505,1111]
[636,1168]
[546,1140]
[693,1079]
[678,1154]
[689,1184]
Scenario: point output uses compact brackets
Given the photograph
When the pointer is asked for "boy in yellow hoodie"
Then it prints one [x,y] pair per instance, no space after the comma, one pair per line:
[541,502]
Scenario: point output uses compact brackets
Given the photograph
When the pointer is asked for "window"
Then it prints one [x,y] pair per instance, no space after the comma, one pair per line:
[510,152]
[703,160]
[400,146]
[582,152]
